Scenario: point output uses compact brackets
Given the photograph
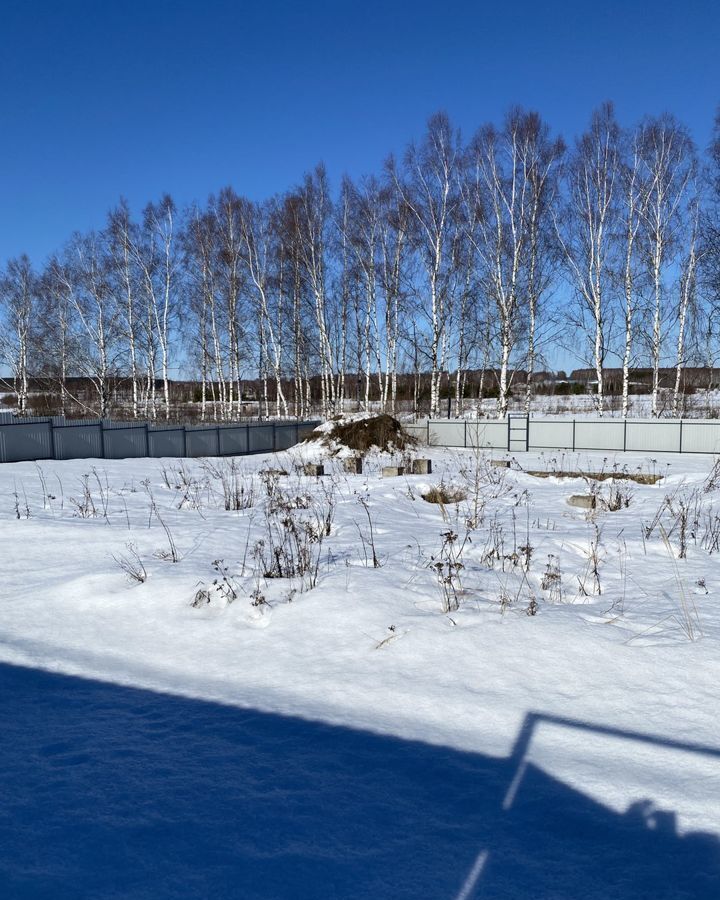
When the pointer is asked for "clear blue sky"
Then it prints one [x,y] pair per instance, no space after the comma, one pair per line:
[117,97]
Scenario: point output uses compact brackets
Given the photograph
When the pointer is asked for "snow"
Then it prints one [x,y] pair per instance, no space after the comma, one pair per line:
[353,740]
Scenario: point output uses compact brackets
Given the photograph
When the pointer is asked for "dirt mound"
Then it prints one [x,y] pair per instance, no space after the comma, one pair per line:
[360,435]
[638,477]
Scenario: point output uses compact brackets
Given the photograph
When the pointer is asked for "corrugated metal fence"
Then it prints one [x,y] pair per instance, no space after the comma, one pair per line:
[34,438]
[520,433]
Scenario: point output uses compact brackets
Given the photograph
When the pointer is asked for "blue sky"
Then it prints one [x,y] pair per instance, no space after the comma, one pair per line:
[103,99]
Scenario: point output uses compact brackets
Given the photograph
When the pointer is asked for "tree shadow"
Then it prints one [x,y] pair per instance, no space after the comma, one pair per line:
[115,792]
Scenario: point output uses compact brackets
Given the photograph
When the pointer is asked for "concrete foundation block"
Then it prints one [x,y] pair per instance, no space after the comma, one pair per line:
[422,467]
[353,465]
[583,501]
[392,471]
[315,469]
[500,463]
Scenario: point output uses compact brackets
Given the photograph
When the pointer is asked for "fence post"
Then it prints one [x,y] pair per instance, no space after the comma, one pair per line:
[217,432]
[185,455]
[52,438]
[624,435]
[573,435]
[465,438]
[681,423]
[102,438]
[527,433]
[147,439]
[508,441]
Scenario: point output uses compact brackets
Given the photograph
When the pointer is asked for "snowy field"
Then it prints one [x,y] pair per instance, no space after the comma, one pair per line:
[497,696]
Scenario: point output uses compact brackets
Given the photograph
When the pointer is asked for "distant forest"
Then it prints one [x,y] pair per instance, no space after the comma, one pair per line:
[456,272]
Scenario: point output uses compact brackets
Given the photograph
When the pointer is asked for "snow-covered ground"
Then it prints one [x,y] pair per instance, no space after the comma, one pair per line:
[557,735]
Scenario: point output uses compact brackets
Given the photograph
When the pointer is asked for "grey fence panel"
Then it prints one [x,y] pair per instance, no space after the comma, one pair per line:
[233,440]
[547,434]
[125,442]
[79,441]
[260,438]
[166,442]
[30,440]
[202,442]
[598,434]
[653,436]
[285,436]
[447,433]
[493,435]
[700,436]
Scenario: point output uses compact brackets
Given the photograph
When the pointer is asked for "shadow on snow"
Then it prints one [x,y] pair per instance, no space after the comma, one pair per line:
[110,792]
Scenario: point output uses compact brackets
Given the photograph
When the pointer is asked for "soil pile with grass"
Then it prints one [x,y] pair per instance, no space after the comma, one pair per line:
[360,435]
[444,494]
[637,477]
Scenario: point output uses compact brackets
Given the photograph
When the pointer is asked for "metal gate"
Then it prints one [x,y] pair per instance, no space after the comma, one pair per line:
[517,434]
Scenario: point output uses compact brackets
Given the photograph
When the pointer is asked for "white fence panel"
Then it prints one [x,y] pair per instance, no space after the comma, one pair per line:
[653,436]
[599,434]
[493,435]
[447,434]
[418,431]
[638,435]
[547,434]
[700,436]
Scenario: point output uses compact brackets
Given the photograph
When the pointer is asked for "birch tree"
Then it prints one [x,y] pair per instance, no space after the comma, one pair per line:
[709,270]
[232,295]
[668,165]
[498,187]
[311,211]
[589,230]
[540,157]
[394,279]
[686,300]
[197,243]
[631,214]
[430,189]
[123,243]
[92,303]
[18,299]
[160,273]
[59,342]
[294,285]
[361,233]
[262,259]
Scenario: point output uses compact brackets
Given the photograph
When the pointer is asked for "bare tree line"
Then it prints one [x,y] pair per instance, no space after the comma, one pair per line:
[490,255]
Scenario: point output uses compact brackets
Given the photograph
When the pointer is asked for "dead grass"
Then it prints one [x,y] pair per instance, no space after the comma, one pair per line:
[444,494]
[637,477]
